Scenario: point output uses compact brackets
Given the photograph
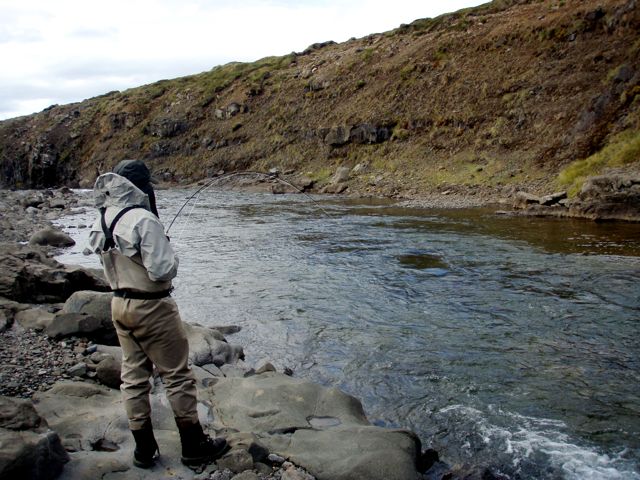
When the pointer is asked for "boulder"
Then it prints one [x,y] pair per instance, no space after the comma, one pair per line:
[80,324]
[18,414]
[110,350]
[293,473]
[36,456]
[338,136]
[207,345]
[27,275]
[524,200]
[247,475]
[227,329]
[96,304]
[335,188]
[608,197]
[600,187]
[167,127]
[233,109]
[85,313]
[318,83]
[52,237]
[58,203]
[366,133]
[265,367]
[236,460]
[27,448]
[108,372]
[323,430]
[342,175]
[553,198]
[34,318]
[78,370]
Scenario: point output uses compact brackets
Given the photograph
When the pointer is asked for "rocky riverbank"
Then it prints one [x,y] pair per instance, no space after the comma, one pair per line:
[602,198]
[61,414]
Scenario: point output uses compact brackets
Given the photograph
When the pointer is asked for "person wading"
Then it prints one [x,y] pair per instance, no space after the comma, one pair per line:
[139,265]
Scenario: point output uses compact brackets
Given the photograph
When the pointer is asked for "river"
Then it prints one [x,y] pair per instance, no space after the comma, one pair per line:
[502,341]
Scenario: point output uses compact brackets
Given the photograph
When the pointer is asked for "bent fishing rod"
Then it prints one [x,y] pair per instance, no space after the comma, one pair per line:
[271,176]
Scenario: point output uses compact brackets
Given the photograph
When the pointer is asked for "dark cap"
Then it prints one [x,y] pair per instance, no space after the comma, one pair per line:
[135,171]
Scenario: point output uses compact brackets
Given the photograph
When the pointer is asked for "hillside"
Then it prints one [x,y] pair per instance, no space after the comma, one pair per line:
[511,94]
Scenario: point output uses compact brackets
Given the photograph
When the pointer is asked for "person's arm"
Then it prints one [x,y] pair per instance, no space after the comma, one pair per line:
[157,254]
[96,238]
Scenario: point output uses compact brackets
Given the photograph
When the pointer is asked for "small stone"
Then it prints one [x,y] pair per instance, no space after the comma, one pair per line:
[246,475]
[78,370]
[277,459]
[237,461]
[296,474]
[263,468]
[97,357]
[224,474]
[266,367]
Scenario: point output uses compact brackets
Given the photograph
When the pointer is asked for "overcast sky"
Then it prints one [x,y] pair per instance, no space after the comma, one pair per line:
[61,51]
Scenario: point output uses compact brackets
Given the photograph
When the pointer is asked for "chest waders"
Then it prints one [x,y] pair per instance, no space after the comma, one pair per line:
[127,276]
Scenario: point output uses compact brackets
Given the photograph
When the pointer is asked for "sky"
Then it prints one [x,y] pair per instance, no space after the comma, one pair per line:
[63,51]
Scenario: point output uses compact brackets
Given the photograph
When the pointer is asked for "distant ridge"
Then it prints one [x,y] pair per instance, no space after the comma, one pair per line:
[493,99]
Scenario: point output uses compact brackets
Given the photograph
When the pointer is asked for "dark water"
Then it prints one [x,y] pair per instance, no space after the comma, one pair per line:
[509,342]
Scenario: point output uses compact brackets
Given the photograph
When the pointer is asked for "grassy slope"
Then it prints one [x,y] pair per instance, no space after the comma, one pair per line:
[501,96]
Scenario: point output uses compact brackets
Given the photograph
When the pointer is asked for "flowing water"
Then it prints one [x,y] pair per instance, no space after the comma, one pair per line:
[510,342]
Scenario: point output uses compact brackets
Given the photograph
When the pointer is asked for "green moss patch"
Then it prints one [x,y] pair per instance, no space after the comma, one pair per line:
[624,149]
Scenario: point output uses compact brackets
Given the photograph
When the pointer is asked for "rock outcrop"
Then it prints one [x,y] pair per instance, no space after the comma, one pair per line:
[602,198]
[608,197]
[28,449]
[208,346]
[321,429]
[28,275]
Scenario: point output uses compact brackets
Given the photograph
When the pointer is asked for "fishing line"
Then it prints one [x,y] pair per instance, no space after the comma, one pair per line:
[199,191]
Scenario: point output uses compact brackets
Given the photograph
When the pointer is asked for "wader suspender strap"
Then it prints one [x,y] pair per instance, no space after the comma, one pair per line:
[109,243]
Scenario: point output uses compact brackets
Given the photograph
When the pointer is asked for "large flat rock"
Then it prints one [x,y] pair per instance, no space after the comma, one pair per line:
[91,422]
[321,429]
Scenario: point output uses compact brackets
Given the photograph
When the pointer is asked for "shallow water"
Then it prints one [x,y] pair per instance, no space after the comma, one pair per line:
[510,342]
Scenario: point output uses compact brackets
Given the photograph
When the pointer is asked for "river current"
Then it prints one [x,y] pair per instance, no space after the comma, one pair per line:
[501,341]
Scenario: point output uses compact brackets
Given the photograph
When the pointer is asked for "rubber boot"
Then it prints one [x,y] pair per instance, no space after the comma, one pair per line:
[198,447]
[146,446]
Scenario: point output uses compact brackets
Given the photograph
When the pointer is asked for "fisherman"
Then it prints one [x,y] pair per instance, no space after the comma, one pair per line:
[139,265]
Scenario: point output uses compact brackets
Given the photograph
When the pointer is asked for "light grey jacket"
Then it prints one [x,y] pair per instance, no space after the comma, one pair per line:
[143,259]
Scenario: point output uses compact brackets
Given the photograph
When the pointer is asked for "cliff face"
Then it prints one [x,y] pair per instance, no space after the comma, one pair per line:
[502,95]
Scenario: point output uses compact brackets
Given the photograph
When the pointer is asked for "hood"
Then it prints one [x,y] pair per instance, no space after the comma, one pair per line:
[113,190]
